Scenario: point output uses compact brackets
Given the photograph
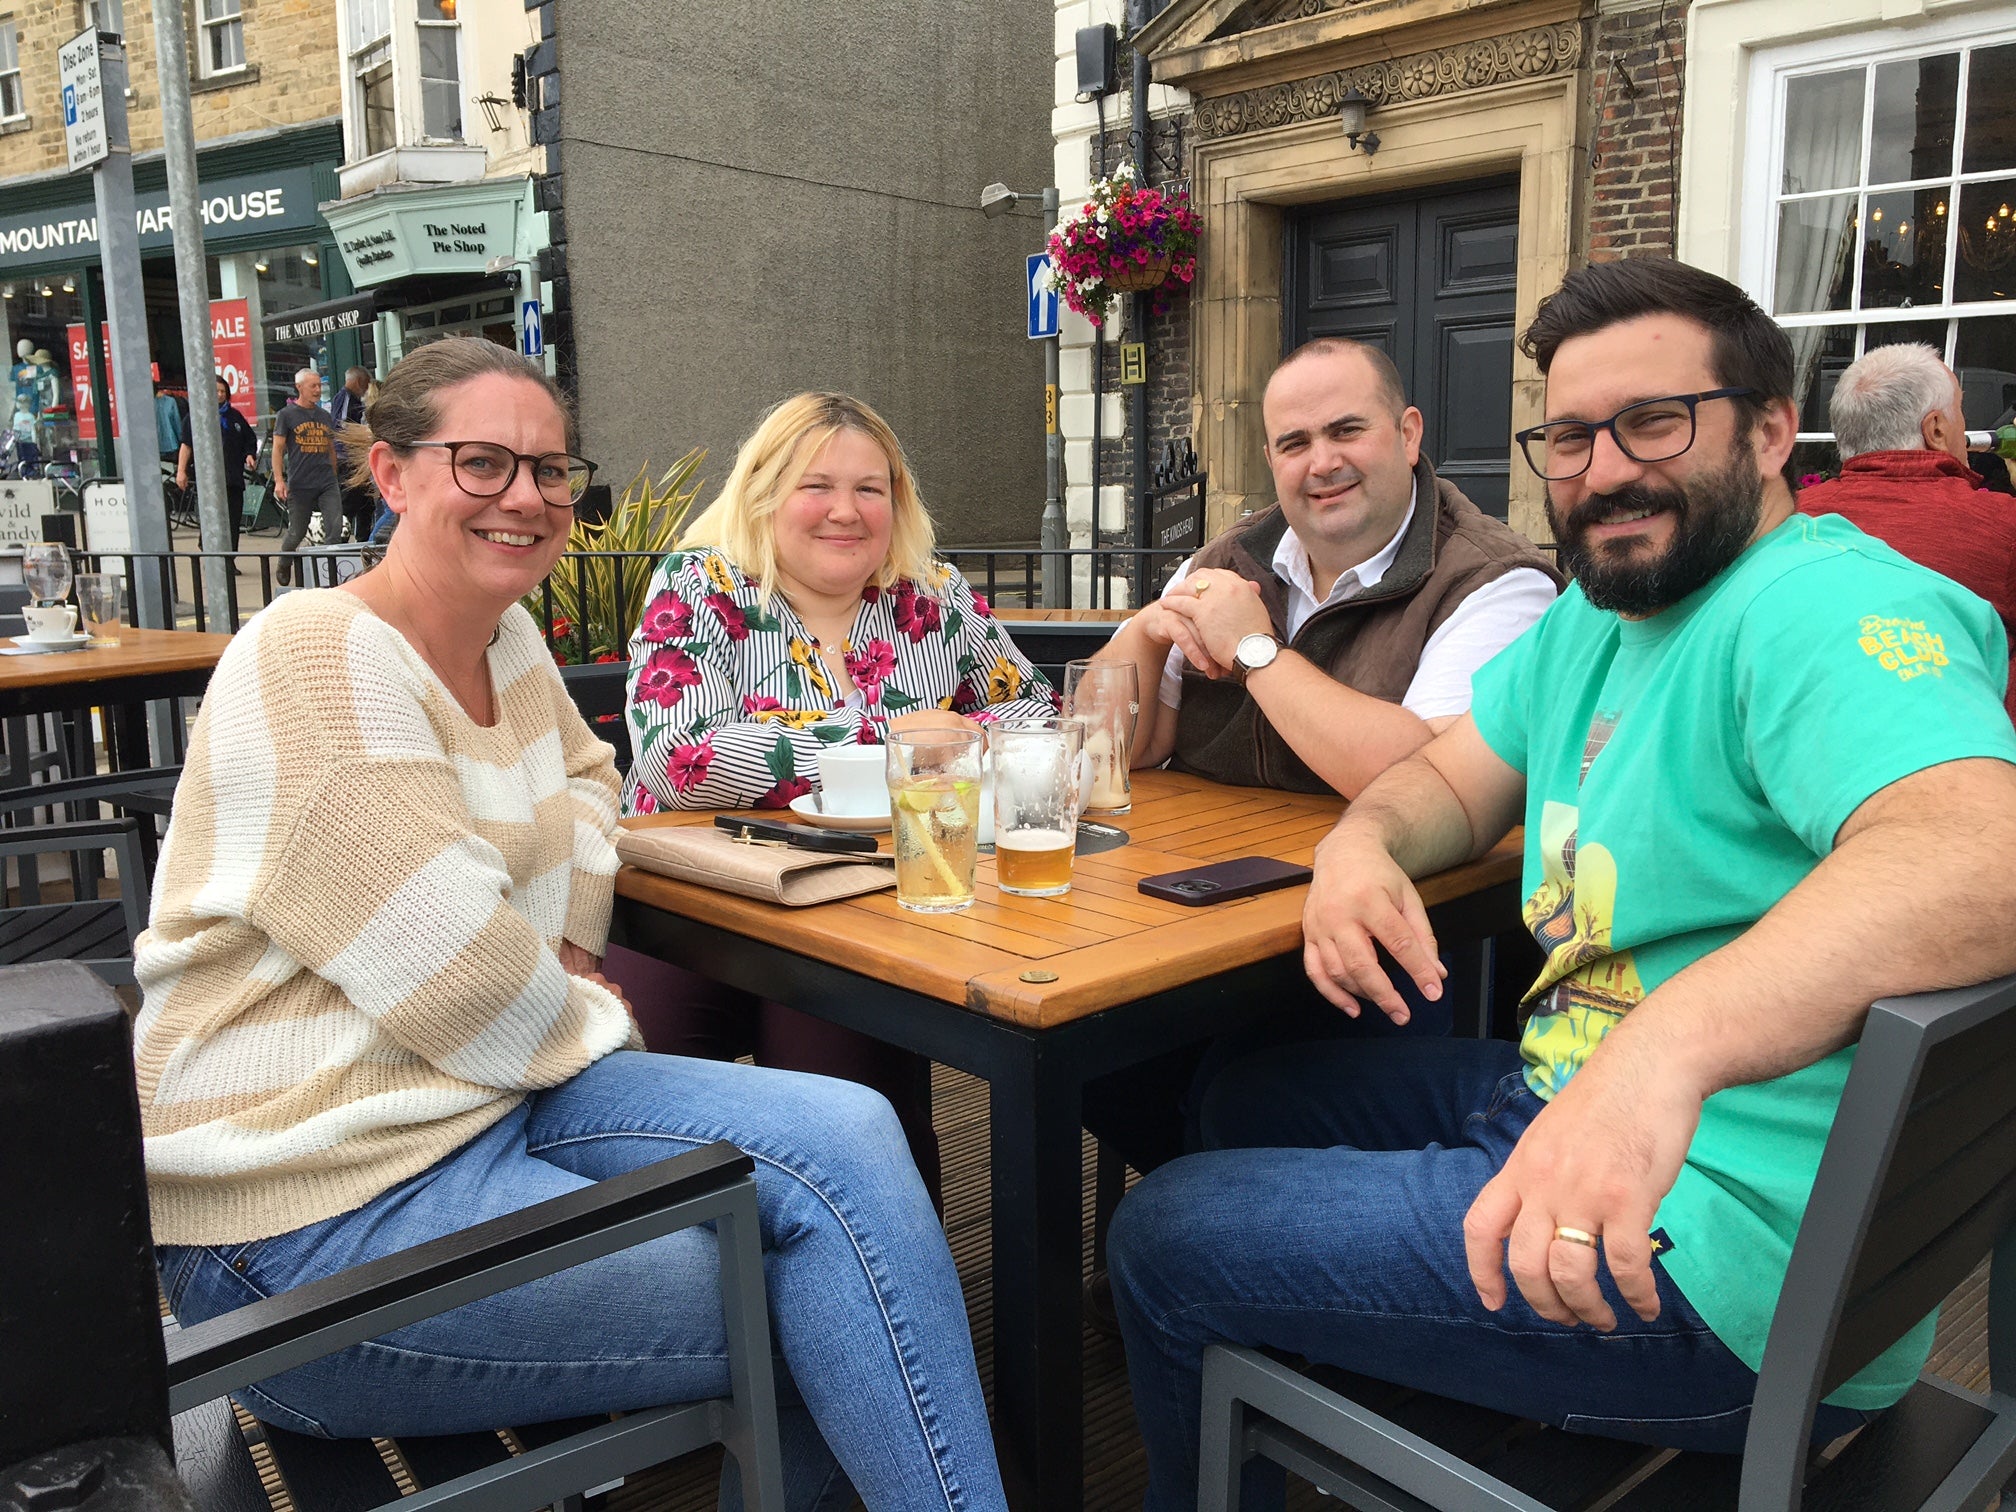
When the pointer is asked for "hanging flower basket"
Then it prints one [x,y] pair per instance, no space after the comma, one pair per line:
[1125,239]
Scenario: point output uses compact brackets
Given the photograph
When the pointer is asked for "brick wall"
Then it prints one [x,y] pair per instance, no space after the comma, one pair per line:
[543,95]
[293,75]
[1637,65]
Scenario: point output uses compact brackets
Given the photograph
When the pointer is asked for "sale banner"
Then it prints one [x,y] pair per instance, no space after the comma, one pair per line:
[231,339]
[80,382]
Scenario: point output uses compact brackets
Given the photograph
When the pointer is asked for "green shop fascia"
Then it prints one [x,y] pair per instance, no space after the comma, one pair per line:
[446,259]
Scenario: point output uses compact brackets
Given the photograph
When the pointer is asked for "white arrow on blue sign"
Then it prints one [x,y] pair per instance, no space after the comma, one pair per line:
[1043,302]
[534,340]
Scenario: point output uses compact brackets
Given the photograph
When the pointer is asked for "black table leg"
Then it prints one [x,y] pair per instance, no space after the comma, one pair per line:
[1038,1342]
[128,737]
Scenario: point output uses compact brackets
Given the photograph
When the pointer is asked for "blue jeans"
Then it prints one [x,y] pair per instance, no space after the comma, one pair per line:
[865,1305]
[1325,1218]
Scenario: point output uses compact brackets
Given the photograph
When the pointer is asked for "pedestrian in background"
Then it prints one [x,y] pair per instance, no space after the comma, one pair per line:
[304,467]
[348,408]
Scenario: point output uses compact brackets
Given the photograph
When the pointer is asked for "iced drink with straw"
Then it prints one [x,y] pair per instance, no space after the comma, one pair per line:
[934,799]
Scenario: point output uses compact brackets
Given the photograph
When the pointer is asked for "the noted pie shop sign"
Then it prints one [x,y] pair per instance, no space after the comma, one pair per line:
[276,203]
[437,232]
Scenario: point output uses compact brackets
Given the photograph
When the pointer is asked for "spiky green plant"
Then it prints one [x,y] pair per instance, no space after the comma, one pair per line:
[597,600]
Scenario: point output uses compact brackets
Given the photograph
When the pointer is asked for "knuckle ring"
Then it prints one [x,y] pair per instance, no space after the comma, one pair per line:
[1577,1236]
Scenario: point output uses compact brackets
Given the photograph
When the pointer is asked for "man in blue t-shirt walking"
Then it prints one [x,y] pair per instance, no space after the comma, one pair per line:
[1765,778]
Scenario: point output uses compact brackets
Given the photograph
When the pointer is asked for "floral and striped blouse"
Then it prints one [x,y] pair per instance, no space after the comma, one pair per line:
[730,703]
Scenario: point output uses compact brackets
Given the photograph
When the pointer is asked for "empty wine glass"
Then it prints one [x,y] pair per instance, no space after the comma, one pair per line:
[45,570]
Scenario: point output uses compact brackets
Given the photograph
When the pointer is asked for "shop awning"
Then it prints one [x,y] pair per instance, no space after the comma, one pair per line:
[312,322]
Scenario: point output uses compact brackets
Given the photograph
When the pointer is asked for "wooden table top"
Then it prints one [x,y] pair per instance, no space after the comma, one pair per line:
[1055,616]
[1107,942]
[140,653]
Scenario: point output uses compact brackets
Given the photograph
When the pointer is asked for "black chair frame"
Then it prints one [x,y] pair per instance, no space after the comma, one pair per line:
[1916,1184]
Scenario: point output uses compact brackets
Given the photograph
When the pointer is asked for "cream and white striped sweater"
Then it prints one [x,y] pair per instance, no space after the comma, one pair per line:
[351,969]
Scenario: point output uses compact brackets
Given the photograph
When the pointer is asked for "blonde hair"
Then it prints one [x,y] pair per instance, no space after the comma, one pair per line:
[769,465]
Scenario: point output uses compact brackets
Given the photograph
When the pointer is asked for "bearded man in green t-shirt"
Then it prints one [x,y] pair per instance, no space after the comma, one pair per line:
[1765,779]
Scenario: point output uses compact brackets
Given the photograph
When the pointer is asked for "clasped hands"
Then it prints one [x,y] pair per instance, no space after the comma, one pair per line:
[1205,616]
[1597,1161]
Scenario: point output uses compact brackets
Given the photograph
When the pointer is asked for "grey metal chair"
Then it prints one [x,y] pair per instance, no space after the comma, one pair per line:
[1917,1183]
[94,931]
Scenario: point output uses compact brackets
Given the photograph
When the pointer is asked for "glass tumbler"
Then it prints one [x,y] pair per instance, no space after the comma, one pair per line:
[1036,803]
[934,800]
[100,600]
[1106,695]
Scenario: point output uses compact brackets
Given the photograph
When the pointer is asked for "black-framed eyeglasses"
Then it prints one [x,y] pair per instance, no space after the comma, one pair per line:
[484,469]
[1652,430]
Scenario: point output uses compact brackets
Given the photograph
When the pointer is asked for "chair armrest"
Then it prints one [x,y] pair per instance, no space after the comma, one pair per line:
[1951,1010]
[107,789]
[64,837]
[251,1343]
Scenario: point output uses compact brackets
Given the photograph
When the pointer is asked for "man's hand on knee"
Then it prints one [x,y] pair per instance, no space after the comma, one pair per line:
[1360,899]
[1581,1189]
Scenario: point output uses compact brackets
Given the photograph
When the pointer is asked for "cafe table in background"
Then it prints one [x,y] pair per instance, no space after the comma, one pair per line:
[1038,995]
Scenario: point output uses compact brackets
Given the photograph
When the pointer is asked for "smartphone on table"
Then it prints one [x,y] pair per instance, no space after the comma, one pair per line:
[1223,881]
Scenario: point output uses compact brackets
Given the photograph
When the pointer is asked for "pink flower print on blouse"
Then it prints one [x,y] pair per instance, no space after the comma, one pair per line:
[783,792]
[667,676]
[645,802]
[730,614]
[689,764]
[756,703]
[916,614]
[667,617]
[981,607]
[870,667]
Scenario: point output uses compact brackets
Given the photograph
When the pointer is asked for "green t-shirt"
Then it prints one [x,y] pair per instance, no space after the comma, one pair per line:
[1683,773]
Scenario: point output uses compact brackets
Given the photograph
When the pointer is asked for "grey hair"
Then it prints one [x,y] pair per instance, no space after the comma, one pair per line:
[1881,401]
[304,373]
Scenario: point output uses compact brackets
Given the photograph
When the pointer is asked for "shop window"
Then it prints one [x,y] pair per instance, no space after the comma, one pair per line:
[222,28]
[1893,187]
[106,15]
[13,105]
[440,71]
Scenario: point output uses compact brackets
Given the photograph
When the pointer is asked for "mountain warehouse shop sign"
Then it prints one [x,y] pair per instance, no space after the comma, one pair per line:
[279,202]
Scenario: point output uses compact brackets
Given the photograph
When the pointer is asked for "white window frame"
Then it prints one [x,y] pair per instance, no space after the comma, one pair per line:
[10,68]
[423,24]
[1770,76]
[366,53]
[93,13]
[206,24]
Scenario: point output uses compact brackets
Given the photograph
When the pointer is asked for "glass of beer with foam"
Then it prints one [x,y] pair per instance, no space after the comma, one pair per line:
[1036,800]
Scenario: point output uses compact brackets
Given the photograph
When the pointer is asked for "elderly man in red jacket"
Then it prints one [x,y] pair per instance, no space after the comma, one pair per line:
[1905,480]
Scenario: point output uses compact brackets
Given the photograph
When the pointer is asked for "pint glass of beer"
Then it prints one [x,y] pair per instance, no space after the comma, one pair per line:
[1106,697]
[1036,790]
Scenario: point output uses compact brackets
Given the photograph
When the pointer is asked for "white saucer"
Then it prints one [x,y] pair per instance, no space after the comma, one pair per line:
[806,807]
[76,638]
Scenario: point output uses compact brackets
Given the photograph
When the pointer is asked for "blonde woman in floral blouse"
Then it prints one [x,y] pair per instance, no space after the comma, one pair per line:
[802,609]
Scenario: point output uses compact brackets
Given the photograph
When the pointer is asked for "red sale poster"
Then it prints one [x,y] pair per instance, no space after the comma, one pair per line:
[80,382]
[231,337]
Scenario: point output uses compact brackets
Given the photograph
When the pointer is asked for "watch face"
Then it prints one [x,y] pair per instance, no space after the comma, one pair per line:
[1256,651]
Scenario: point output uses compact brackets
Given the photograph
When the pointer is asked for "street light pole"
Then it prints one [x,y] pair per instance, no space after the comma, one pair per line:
[1056,566]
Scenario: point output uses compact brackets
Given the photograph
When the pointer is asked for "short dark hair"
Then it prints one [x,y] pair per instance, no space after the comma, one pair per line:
[1748,349]
[1388,376]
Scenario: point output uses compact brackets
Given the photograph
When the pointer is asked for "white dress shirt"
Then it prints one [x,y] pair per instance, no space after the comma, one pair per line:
[1485,623]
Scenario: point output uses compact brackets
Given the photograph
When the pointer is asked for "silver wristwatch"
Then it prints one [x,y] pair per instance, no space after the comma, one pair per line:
[1254,652]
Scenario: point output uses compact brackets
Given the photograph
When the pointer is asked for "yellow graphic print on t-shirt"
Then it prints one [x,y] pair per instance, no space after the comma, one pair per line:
[1585,987]
[312,438]
[1903,646]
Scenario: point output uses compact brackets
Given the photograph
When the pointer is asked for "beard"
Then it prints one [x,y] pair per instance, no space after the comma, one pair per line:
[1714,518]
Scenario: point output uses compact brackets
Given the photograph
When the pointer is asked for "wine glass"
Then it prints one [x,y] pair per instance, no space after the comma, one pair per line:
[45,570]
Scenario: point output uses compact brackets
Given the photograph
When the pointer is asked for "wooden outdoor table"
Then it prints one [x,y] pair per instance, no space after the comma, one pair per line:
[145,665]
[1119,978]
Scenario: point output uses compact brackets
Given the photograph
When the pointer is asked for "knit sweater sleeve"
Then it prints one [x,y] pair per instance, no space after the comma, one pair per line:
[397,900]
[592,789]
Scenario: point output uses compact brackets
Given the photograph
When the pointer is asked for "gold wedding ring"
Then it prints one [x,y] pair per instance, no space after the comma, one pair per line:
[1577,1236]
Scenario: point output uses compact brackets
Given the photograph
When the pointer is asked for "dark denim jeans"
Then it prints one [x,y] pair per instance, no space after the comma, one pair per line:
[1325,1218]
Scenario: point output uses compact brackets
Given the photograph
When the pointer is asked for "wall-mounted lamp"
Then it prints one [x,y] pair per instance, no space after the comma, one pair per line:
[996,200]
[1351,111]
[260,265]
[311,259]
[6,291]
[70,284]
[48,292]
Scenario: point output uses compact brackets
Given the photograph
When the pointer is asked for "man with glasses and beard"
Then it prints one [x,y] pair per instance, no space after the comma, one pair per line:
[1765,778]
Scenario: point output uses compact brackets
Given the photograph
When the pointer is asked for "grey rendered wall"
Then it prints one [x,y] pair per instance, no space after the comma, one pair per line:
[764,198]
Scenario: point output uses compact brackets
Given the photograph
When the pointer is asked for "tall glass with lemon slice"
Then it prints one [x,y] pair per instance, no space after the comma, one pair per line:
[934,797]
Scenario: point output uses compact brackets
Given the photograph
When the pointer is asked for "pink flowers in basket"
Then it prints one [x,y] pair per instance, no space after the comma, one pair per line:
[1125,239]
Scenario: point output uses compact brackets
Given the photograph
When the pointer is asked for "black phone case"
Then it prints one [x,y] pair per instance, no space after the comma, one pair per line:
[798,836]
[1224,880]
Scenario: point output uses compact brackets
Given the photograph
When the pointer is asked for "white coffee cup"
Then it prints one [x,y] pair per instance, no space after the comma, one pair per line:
[51,623]
[852,781]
